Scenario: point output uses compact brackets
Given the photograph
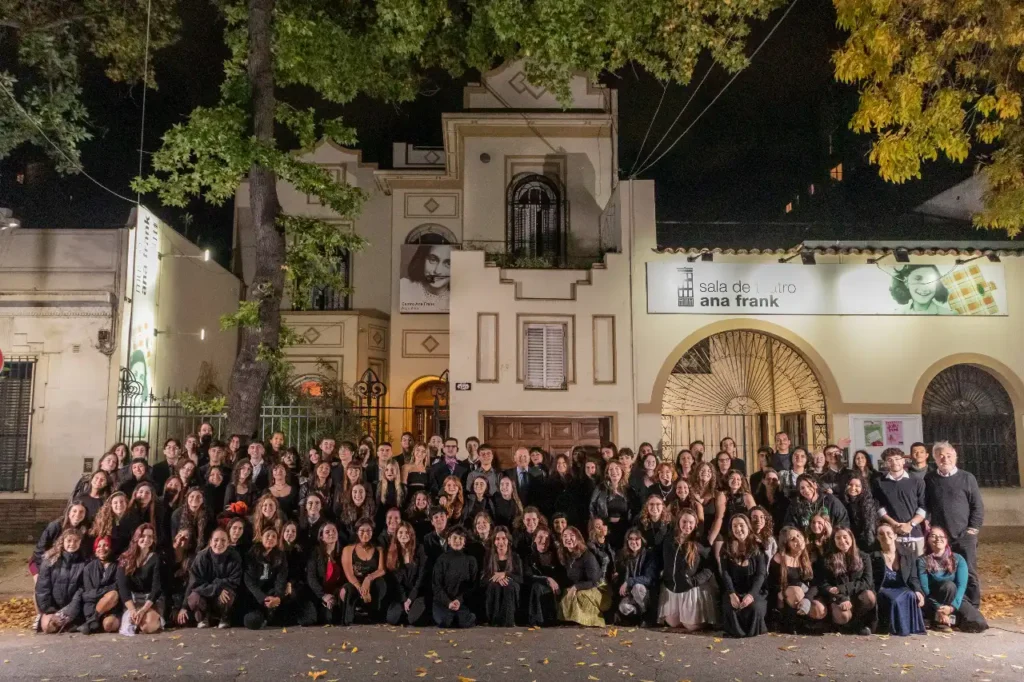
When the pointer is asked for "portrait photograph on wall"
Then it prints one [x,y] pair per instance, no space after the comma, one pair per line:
[425,285]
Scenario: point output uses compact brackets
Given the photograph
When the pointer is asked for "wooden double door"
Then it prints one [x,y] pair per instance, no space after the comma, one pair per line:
[554,434]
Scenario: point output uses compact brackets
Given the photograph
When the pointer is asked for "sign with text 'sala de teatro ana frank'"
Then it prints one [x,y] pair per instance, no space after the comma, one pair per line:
[681,287]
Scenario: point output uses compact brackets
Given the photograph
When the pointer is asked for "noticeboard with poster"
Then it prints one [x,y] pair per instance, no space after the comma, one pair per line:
[874,433]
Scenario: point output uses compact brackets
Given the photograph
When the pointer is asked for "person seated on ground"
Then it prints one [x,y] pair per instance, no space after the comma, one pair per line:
[75,518]
[101,605]
[944,575]
[601,548]
[849,586]
[266,581]
[176,579]
[900,598]
[502,580]
[363,563]
[406,565]
[139,584]
[637,569]
[325,578]
[455,576]
[744,571]
[544,576]
[791,579]
[214,581]
[689,592]
[586,596]
[60,585]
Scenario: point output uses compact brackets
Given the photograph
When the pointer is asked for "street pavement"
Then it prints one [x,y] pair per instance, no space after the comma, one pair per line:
[484,653]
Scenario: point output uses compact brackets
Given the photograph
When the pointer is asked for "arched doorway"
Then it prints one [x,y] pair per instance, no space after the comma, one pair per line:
[747,385]
[427,408]
[967,406]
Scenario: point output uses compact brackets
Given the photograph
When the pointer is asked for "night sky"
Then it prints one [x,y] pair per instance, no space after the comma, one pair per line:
[760,146]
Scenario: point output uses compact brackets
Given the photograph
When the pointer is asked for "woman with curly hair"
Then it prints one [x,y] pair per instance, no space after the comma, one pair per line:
[60,586]
[477,500]
[451,498]
[689,592]
[654,522]
[702,488]
[764,531]
[108,520]
[139,583]
[267,515]
[863,513]
[664,482]
[586,596]
[195,516]
[319,482]
[810,501]
[744,572]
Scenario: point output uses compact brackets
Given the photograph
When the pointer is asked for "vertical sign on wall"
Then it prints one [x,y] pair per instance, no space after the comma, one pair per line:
[147,266]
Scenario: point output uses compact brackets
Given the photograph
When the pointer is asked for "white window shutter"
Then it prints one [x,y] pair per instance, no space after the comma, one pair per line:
[544,356]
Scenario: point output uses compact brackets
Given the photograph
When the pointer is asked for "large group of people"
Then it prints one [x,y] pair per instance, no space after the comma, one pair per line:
[252,534]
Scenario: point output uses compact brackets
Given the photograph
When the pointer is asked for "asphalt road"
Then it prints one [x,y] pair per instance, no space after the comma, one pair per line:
[482,653]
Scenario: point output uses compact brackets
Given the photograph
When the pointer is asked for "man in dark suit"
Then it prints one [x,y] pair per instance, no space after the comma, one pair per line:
[449,465]
[260,467]
[528,484]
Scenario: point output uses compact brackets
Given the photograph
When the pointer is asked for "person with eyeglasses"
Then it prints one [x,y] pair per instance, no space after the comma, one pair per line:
[943,577]
[448,465]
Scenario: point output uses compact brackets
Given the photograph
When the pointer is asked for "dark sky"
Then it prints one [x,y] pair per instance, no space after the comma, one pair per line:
[761,144]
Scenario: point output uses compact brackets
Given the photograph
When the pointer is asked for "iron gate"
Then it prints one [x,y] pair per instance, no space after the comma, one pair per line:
[968,407]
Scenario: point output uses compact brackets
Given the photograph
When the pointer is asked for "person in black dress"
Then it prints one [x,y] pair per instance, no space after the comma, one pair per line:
[455,575]
[406,566]
[284,491]
[176,576]
[734,498]
[794,585]
[502,578]
[363,563]
[863,512]
[744,572]
[664,483]
[544,577]
[241,488]
[418,514]
[507,507]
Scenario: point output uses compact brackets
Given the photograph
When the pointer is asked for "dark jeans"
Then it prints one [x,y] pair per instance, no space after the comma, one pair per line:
[446,618]
[967,546]
[417,610]
[968,617]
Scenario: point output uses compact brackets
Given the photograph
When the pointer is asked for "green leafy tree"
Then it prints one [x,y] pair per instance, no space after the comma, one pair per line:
[936,78]
[381,49]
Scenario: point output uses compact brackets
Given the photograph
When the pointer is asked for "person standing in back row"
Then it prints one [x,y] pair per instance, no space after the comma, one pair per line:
[782,459]
[901,500]
[955,504]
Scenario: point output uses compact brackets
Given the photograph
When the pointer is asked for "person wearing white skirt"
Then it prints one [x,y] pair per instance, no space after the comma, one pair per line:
[689,593]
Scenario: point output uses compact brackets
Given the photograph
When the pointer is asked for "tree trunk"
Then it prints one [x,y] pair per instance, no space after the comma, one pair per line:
[249,375]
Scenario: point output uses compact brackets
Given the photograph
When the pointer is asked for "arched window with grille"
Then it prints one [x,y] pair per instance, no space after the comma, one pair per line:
[536,218]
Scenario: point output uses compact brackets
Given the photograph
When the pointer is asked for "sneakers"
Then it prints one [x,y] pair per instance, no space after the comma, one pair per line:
[864,632]
[223,625]
[37,623]
[202,624]
[89,627]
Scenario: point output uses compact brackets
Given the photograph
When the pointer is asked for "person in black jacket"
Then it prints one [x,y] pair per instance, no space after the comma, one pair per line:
[266,580]
[455,575]
[449,465]
[527,480]
[324,579]
[503,578]
[139,583]
[544,576]
[586,596]
[406,565]
[689,593]
[100,601]
[214,580]
[849,586]
[162,471]
[60,585]
[139,472]
[637,570]
[74,518]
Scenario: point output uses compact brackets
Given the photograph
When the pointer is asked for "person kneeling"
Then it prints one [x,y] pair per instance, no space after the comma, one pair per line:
[637,568]
[944,577]
[59,587]
[101,604]
[455,576]
[214,579]
[363,563]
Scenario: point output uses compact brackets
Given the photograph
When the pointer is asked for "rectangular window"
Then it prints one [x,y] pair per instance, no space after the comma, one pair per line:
[544,350]
[836,173]
[15,423]
[329,298]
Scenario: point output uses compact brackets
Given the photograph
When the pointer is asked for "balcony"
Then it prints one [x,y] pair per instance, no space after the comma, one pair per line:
[531,256]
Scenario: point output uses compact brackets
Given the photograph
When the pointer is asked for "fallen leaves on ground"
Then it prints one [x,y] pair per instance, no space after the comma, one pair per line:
[17,613]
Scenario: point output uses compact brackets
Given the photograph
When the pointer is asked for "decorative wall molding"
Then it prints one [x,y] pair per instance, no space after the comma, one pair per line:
[432,205]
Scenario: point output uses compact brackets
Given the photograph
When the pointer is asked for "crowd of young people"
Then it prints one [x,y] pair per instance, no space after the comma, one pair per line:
[251,534]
